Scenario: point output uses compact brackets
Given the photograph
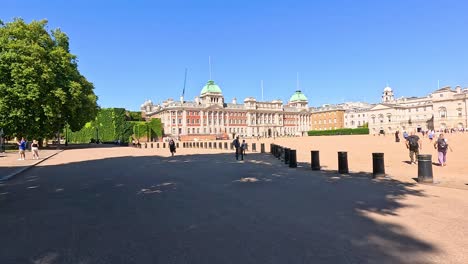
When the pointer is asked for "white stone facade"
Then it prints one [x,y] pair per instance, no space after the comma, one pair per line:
[444,108]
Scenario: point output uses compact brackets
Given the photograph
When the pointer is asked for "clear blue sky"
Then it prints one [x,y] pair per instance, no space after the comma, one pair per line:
[343,50]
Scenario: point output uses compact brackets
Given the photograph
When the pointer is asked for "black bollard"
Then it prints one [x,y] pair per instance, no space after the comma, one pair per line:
[343,162]
[271,148]
[378,166]
[425,169]
[292,158]
[315,160]
[254,147]
[262,148]
[286,155]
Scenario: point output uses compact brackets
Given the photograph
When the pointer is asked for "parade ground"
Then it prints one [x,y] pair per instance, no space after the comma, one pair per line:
[128,205]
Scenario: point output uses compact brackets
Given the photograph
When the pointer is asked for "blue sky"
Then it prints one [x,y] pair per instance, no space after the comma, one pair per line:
[342,50]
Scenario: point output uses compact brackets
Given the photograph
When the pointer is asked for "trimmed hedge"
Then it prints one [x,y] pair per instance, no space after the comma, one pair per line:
[111,124]
[341,131]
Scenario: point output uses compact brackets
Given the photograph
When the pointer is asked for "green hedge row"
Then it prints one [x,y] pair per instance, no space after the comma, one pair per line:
[341,131]
[113,124]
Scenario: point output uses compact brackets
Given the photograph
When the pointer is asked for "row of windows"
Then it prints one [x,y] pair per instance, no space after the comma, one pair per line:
[211,130]
[325,121]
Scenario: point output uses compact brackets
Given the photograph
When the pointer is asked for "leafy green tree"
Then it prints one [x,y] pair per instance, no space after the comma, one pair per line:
[41,89]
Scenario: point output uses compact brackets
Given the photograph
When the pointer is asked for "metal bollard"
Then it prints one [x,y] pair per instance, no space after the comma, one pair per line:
[280,152]
[315,160]
[271,148]
[425,169]
[378,166]
[286,155]
[262,148]
[343,162]
[254,147]
[292,158]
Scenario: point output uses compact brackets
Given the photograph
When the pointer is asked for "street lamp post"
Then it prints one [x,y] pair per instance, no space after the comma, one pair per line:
[58,131]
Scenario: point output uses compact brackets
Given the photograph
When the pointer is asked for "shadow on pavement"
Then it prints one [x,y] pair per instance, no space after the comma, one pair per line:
[202,209]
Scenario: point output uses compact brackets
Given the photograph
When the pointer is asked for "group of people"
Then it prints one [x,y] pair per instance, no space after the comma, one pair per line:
[240,148]
[22,146]
[414,145]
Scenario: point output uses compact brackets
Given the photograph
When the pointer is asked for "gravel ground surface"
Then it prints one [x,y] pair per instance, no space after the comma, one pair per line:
[126,205]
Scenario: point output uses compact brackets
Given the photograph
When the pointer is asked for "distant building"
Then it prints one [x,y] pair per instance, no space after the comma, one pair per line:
[356,114]
[327,117]
[442,109]
[210,116]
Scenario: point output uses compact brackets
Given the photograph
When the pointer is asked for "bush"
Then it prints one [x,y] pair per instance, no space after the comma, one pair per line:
[341,131]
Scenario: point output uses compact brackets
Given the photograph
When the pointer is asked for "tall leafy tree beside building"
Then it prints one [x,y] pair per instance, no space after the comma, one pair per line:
[41,89]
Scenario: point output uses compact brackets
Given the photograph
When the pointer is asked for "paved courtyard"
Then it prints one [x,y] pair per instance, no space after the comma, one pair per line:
[125,205]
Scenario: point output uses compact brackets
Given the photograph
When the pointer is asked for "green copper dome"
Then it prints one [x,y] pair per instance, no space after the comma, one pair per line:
[298,96]
[211,87]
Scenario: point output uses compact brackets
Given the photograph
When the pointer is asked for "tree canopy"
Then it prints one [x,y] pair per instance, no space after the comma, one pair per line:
[41,89]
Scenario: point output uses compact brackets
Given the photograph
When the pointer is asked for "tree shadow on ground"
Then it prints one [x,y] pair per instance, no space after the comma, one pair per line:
[203,209]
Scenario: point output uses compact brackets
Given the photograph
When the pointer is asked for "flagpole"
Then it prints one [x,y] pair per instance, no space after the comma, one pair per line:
[185,82]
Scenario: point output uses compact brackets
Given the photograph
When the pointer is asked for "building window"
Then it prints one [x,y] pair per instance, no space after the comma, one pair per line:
[459,110]
[173,122]
[441,95]
[188,121]
[443,112]
[180,121]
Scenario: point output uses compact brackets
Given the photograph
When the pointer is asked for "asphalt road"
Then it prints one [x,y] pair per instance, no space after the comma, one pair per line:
[200,209]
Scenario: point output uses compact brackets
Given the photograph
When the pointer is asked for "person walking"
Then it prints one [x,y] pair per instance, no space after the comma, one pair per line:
[243,147]
[236,145]
[397,136]
[35,149]
[22,148]
[441,145]
[172,146]
[414,144]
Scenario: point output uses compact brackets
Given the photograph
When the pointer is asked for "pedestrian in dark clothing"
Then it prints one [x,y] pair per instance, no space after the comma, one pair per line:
[236,145]
[397,136]
[414,144]
[172,147]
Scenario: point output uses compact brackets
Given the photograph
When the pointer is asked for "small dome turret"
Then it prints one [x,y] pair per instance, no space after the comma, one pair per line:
[211,87]
[298,96]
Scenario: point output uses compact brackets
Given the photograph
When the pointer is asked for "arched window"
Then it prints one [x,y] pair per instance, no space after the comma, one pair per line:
[442,112]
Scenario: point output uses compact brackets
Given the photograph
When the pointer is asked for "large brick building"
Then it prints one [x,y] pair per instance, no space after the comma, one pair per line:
[210,115]
[327,117]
